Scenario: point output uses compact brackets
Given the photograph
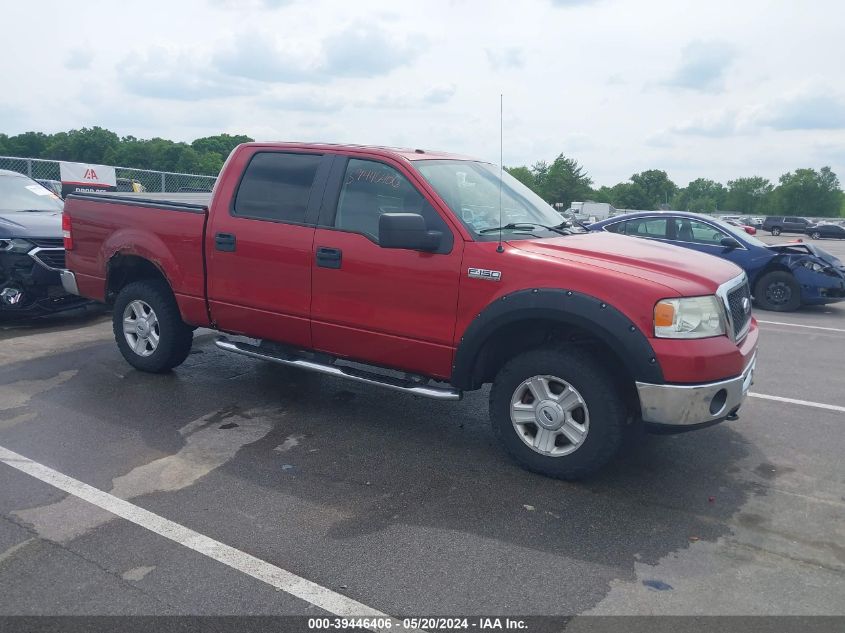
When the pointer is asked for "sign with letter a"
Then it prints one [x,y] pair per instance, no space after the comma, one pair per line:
[84,178]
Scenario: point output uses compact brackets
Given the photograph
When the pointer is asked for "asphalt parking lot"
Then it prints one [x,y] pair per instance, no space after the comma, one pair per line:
[405,505]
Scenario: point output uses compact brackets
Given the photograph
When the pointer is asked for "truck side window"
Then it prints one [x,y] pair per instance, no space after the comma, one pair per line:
[370,189]
[276,186]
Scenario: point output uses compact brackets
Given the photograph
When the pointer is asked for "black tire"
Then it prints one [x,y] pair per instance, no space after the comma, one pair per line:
[602,397]
[174,336]
[775,230]
[778,291]
[816,235]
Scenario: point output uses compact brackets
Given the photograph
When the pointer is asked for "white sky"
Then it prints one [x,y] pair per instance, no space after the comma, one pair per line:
[715,89]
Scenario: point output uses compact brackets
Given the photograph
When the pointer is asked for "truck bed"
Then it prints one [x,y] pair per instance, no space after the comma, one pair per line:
[165,229]
[183,201]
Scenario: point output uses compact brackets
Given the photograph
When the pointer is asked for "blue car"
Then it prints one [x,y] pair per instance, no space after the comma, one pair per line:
[783,277]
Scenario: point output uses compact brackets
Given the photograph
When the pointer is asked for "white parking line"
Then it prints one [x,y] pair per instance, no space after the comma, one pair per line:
[811,327]
[277,577]
[806,403]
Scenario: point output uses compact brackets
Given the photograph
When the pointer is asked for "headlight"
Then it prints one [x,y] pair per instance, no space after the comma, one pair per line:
[815,266]
[16,245]
[689,317]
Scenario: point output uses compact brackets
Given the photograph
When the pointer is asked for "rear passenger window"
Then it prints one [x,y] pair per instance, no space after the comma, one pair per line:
[277,186]
[646,227]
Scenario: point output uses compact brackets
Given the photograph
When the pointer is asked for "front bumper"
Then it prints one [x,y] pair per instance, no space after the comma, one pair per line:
[691,405]
[69,282]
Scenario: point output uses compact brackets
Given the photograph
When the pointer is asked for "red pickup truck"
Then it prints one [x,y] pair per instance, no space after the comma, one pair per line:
[427,273]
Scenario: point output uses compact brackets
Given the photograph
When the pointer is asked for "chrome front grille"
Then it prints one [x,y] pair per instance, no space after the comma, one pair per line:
[47,242]
[736,297]
[52,258]
[739,304]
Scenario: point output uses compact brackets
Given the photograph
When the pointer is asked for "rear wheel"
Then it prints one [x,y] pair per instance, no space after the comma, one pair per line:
[557,412]
[779,291]
[776,230]
[148,328]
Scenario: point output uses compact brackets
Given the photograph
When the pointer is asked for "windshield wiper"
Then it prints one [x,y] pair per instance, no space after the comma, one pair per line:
[526,225]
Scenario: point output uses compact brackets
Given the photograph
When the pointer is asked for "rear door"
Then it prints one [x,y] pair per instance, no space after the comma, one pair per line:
[794,224]
[390,307]
[259,244]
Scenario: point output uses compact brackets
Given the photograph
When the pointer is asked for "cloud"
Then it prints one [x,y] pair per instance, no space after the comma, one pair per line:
[404,100]
[438,94]
[703,66]
[714,125]
[79,59]
[572,3]
[240,5]
[359,50]
[164,74]
[262,58]
[510,57]
[366,50]
[824,111]
[303,102]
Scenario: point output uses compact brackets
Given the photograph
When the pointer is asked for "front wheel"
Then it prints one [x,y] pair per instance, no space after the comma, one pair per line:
[778,291]
[557,412]
[775,231]
[816,235]
[148,328]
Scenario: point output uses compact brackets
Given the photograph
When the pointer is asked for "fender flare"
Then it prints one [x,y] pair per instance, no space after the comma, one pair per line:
[569,307]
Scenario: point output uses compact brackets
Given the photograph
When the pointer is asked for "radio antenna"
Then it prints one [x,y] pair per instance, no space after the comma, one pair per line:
[499,248]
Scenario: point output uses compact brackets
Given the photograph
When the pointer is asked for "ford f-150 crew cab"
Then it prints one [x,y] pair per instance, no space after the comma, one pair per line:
[427,273]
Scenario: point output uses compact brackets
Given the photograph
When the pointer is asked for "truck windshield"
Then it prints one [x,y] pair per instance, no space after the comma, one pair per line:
[19,193]
[471,189]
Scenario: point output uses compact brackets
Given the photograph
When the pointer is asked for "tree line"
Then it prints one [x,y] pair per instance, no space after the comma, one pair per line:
[803,192]
[100,146]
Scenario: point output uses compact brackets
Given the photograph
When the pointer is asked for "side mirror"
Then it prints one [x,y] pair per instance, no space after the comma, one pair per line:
[729,243]
[407,230]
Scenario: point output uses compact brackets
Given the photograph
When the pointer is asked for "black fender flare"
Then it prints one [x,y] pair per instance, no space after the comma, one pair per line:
[592,315]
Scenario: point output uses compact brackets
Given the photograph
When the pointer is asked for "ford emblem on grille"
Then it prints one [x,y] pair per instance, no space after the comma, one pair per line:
[746,305]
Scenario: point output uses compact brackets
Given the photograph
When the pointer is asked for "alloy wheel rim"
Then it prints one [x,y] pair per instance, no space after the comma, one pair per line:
[141,328]
[549,415]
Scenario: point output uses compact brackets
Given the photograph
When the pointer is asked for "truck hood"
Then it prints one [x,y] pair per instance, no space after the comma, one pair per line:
[685,271]
[30,224]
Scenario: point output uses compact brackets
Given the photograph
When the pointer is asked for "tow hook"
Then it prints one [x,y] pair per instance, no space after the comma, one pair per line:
[11,296]
[733,415]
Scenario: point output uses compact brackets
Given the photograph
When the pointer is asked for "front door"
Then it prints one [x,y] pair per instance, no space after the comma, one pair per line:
[389,307]
[259,246]
[707,238]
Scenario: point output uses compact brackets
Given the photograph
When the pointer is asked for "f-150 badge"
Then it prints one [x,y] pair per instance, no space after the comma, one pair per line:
[483,273]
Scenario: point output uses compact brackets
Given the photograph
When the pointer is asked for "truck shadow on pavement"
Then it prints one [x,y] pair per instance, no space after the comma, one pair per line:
[380,464]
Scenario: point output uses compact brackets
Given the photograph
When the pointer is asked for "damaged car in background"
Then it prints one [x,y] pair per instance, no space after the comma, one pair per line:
[783,277]
[31,250]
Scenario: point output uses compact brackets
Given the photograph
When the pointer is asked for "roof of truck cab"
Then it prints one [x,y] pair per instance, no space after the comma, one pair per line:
[407,153]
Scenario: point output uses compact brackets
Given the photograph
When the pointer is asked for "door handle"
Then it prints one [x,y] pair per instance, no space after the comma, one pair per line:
[224,242]
[329,257]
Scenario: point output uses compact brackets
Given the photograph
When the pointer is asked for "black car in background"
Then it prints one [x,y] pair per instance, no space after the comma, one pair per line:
[777,224]
[827,229]
[31,249]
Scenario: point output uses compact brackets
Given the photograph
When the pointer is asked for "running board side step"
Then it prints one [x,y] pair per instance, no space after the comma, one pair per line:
[350,373]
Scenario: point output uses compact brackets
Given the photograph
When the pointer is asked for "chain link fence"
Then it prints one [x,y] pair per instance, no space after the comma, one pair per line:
[128,178]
